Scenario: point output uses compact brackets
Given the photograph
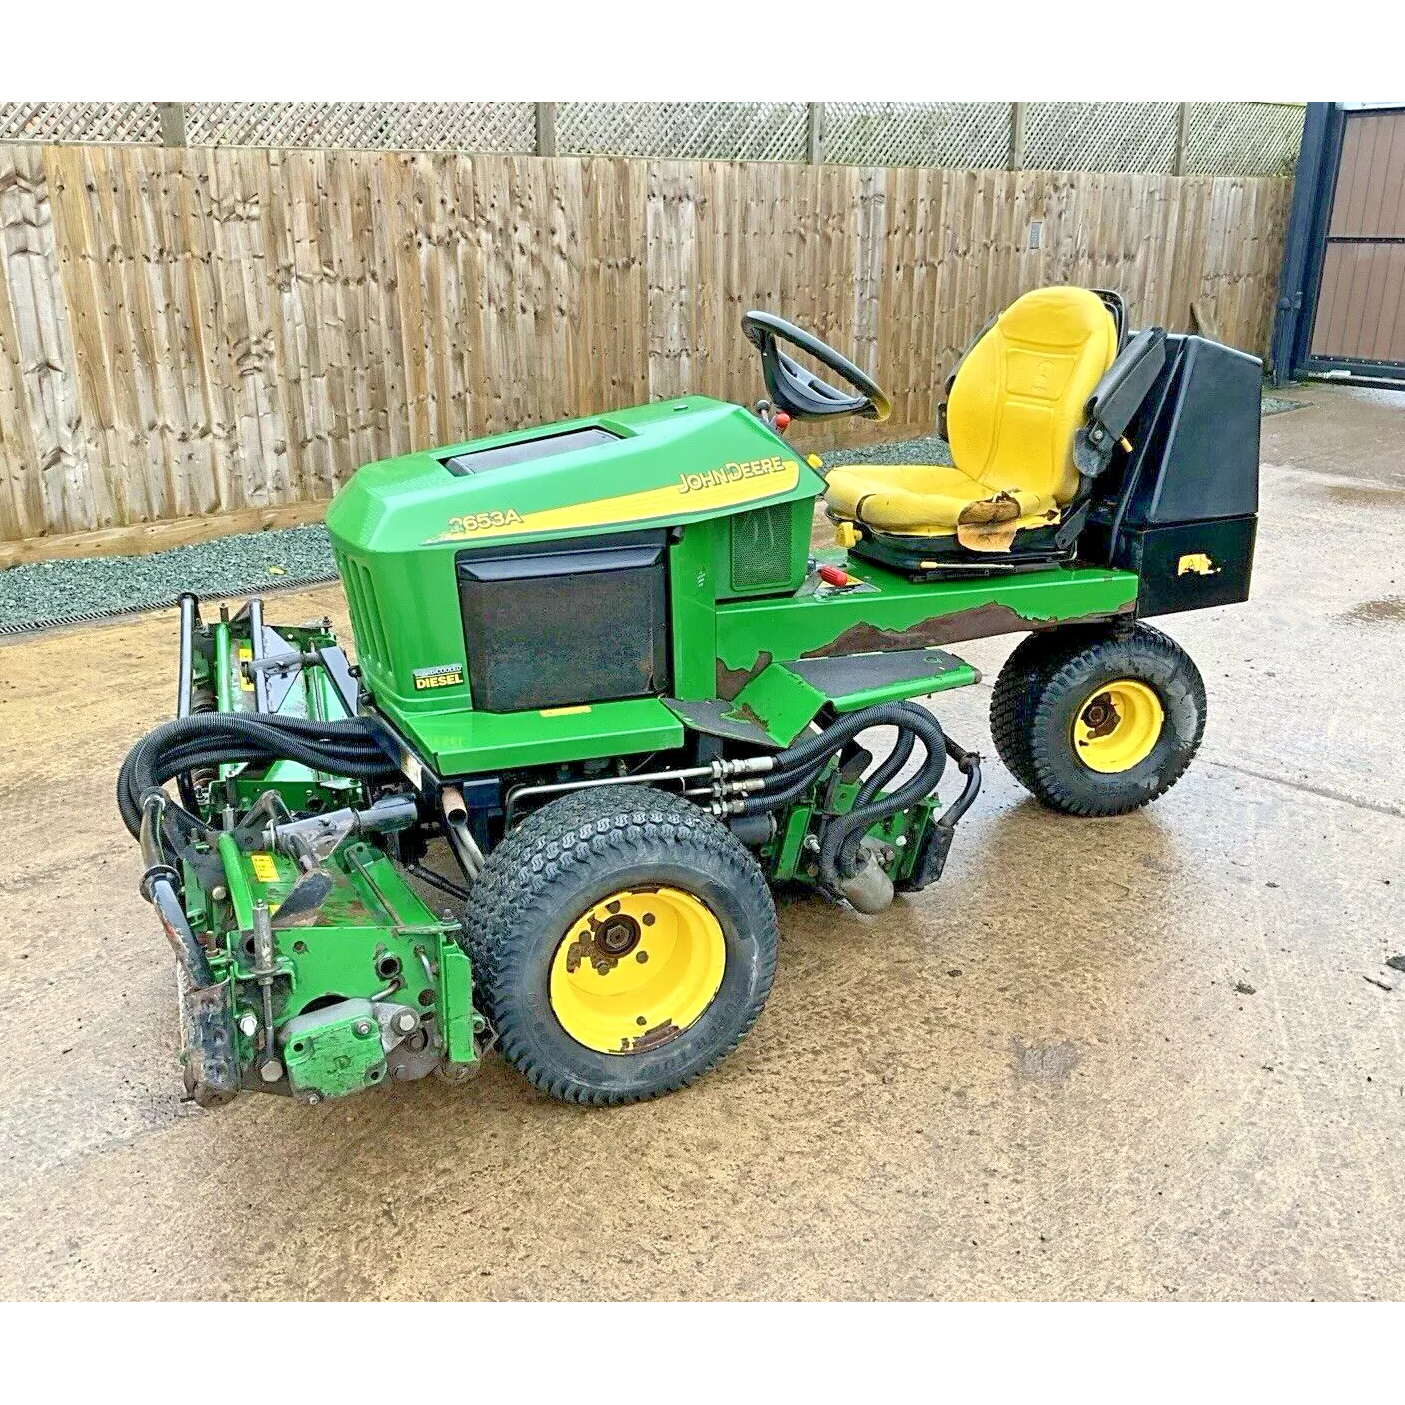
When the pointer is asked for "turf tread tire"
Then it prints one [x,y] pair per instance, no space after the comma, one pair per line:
[1032,695]
[515,917]
[1013,700]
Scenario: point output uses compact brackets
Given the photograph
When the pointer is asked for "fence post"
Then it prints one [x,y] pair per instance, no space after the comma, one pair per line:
[172,117]
[1017,136]
[1182,134]
[814,133]
[546,128]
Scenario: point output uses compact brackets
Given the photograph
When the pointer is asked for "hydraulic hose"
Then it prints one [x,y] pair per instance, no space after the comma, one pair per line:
[783,787]
[842,834]
[799,764]
[892,764]
[361,748]
[158,887]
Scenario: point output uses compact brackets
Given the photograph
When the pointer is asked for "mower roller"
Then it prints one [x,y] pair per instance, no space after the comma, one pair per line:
[605,695]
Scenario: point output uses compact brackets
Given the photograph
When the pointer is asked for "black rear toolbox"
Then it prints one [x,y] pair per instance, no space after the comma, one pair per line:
[1184,516]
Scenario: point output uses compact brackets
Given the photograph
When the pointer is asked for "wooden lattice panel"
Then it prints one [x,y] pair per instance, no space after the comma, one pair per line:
[724,131]
[1100,136]
[90,122]
[398,126]
[968,134]
[1222,138]
[1243,138]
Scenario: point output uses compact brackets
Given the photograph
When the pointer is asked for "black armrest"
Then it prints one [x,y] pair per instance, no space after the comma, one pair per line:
[1114,403]
[1118,396]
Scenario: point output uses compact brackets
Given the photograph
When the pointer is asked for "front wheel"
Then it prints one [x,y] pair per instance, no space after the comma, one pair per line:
[623,942]
[1098,721]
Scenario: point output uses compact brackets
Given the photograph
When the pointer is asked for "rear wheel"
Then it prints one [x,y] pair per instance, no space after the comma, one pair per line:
[1098,721]
[623,943]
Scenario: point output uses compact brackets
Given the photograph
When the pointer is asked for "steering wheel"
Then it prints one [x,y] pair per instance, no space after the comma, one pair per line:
[800,393]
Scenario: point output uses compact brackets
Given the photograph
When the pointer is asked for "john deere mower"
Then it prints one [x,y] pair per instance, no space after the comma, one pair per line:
[605,696]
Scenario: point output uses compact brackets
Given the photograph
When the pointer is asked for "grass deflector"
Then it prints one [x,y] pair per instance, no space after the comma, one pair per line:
[606,695]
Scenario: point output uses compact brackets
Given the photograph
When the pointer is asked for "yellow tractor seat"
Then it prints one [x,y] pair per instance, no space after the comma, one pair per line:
[1017,400]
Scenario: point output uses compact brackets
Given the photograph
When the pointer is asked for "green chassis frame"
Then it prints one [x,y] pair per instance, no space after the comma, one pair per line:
[693,465]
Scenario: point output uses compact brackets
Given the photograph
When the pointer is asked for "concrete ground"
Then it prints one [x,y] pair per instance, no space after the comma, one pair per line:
[1150,1057]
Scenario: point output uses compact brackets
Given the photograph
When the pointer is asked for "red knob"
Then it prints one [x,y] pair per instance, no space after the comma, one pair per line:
[834,575]
[782,421]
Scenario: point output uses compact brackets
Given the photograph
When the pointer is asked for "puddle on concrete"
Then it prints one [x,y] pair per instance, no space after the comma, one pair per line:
[1389,609]
[1392,499]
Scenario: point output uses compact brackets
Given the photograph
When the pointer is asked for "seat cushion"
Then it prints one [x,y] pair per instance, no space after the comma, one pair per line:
[925,500]
[1020,393]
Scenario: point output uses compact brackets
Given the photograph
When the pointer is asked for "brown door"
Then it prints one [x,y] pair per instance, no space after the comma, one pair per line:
[1361,296]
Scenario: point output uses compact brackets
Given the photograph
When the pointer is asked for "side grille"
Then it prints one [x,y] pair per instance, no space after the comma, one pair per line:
[761,547]
[365,617]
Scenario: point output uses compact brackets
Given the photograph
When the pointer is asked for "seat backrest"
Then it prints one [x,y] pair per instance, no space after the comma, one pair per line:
[1019,395]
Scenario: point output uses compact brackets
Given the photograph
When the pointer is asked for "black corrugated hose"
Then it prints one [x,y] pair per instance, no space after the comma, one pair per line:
[799,764]
[362,748]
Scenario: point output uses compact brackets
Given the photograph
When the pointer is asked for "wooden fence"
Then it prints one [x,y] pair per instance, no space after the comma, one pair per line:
[192,334]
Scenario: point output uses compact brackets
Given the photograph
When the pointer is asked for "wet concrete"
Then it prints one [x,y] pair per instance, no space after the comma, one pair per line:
[1042,1078]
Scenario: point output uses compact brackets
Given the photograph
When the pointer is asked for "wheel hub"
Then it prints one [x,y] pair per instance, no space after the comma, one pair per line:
[1100,716]
[619,936]
[637,970]
[1117,726]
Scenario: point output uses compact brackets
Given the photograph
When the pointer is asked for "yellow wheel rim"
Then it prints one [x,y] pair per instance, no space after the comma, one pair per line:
[1117,727]
[637,969]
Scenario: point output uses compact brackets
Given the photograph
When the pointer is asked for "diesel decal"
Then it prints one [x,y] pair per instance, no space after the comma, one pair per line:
[483,522]
[734,473]
[443,675]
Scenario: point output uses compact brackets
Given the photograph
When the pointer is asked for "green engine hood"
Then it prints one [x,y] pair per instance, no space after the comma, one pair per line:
[674,461]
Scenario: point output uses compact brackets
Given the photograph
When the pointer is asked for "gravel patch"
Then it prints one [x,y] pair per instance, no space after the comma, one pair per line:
[252,561]
[929,449]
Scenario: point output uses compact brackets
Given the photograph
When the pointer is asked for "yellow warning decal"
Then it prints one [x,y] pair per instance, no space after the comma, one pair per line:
[1196,564]
[265,870]
[728,486]
[245,654]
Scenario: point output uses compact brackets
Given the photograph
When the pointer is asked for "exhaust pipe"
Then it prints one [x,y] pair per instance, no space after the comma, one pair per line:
[460,836]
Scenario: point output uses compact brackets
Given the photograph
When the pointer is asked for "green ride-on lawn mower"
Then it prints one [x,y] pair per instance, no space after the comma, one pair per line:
[605,695]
